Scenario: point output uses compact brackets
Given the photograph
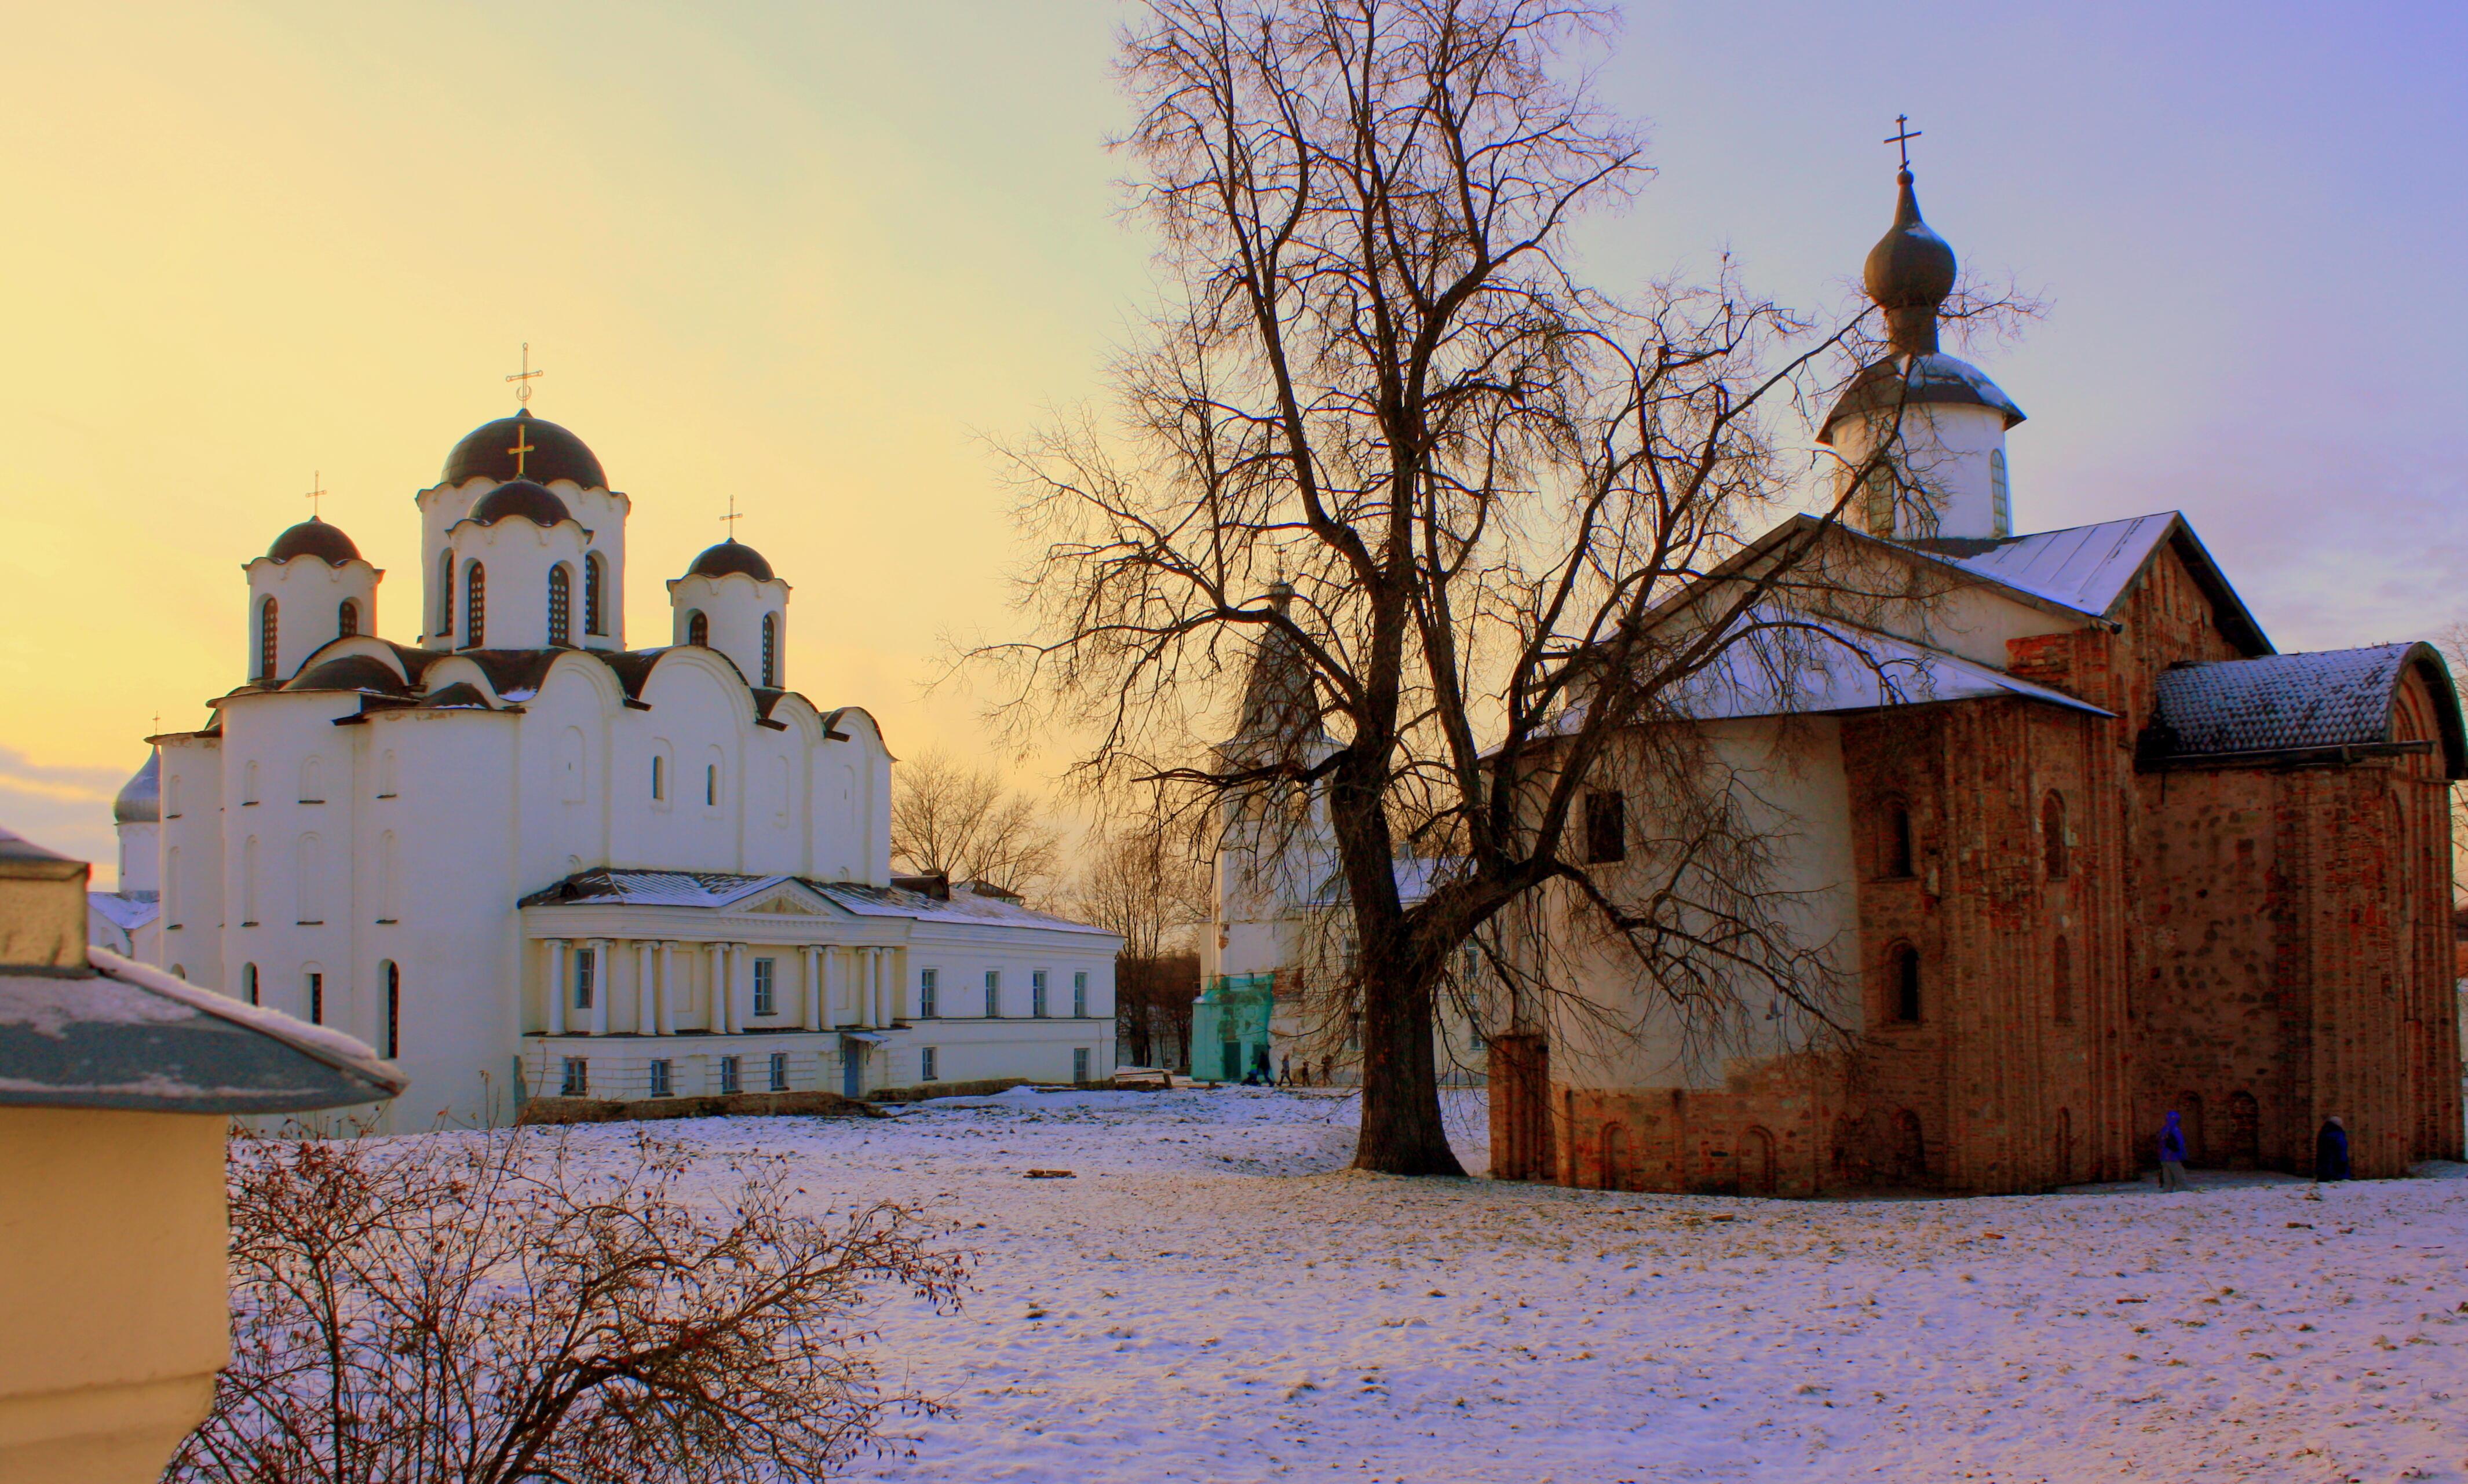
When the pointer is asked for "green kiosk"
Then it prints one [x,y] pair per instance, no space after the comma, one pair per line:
[1229,1027]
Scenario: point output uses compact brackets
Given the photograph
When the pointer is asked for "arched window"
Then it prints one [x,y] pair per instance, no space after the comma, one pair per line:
[711,785]
[444,593]
[347,619]
[659,777]
[391,976]
[560,606]
[268,639]
[2001,499]
[698,627]
[595,619]
[1896,855]
[2052,835]
[1903,979]
[248,982]
[770,650]
[1877,502]
[2060,981]
[476,605]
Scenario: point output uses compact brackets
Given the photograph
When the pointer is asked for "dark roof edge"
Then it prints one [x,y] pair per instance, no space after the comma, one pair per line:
[2213,582]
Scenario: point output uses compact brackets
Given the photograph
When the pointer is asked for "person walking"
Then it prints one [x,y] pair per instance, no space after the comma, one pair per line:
[2331,1150]
[2172,1152]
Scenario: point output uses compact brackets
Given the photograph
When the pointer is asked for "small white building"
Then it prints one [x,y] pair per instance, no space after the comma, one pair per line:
[522,859]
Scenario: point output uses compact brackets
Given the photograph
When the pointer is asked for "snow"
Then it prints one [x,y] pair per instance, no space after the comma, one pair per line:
[1214,1296]
[344,1053]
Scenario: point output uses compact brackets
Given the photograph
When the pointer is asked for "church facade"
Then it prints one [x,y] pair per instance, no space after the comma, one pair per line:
[2079,846]
[521,857]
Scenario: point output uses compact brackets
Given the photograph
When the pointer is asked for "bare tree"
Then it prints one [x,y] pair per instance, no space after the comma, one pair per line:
[962,823]
[1145,879]
[1381,435]
[486,1309]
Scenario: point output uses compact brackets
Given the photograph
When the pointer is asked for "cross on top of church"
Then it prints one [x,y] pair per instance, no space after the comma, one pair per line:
[522,446]
[731,519]
[523,379]
[1904,136]
[316,492]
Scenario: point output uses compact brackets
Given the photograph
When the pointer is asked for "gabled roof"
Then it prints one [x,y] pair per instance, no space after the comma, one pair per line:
[2280,704]
[721,890]
[1838,667]
[2092,568]
[125,910]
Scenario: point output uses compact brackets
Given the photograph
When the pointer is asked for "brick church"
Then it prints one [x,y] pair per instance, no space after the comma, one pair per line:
[2079,845]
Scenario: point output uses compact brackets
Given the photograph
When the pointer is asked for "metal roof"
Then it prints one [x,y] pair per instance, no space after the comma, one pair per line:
[717,890]
[2090,568]
[2280,703]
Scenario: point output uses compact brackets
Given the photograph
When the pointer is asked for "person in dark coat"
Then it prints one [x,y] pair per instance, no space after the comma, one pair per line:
[2172,1152]
[2331,1150]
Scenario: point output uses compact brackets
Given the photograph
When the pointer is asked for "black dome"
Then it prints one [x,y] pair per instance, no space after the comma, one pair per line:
[484,453]
[1910,267]
[351,673]
[731,556]
[520,497]
[313,538]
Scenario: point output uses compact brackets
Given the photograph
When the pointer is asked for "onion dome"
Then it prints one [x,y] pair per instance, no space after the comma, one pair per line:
[140,801]
[351,673]
[731,556]
[486,452]
[315,538]
[535,503]
[1909,273]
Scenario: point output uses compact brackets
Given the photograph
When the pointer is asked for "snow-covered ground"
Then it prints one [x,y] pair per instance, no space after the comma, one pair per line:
[1214,1296]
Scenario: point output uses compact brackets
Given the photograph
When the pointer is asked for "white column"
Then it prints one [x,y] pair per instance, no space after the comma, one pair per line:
[809,985]
[602,980]
[665,993]
[865,1000]
[646,1012]
[556,990]
[880,979]
[739,964]
[716,1016]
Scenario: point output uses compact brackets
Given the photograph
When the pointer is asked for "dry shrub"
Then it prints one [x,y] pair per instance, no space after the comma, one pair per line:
[479,1309]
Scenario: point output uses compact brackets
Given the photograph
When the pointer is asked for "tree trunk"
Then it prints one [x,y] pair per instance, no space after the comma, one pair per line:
[1401,1131]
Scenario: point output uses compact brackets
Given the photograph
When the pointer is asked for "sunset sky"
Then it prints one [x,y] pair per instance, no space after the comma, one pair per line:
[819,256]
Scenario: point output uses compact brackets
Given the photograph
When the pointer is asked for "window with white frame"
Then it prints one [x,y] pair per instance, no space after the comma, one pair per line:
[660,1085]
[728,1075]
[767,1000]
[927,1069]
[1079,1064]
[779,1071]
[926,988]
[576,1080]
[585,972]
[1037,993]
[993,993]
[1080,995]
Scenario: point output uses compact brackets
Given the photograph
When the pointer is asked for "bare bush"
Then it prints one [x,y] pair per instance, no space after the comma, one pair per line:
[485,1308]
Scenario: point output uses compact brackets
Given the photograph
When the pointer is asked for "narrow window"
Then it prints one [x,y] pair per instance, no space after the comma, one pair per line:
[765,1002]
[926,1071]
[770,651]
[585,970]
[1898,853]
[728,1075]
[1877,502]
[779,1071]
[659,1076]
[347,620]
[444,593]
[392,977]
[993,993]
[576,1080]
[1903,967]
[2061,976]
[476,605]
[926,988]
[594,615]
[248,982]
[711,784]
[2001,499]
[1080,995]
[2052,835]
[1079,1064]
[697,629]
[1036,994]
[316,998]
[659,784]
[560,606]
[268,639]
[1606,827]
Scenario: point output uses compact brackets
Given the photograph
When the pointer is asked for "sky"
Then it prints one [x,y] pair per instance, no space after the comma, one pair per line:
[825,258]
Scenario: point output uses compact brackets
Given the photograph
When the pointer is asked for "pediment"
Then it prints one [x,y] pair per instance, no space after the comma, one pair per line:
[782,900]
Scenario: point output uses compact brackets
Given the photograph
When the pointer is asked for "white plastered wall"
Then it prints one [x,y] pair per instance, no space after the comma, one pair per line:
[309,597]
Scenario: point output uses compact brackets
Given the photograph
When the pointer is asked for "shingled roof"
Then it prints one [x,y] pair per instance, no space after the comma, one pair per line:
[2297,704]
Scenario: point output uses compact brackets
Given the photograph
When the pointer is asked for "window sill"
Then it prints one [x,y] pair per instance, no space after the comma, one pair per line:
[389,795]
[311,921]
[248,924]
[311,801]
[387,922]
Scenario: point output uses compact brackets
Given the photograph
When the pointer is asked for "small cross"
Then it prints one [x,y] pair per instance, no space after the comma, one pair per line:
[1903,122]
[522,446]
[523,379]
[316,494]
[731,517]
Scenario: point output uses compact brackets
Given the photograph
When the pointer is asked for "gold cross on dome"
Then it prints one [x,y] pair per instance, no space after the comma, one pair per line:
[316,494]
[1904,136]
[523,379]
[731,519]
[522,446]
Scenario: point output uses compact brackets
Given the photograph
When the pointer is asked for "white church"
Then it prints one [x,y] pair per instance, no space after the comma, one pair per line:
[523,859]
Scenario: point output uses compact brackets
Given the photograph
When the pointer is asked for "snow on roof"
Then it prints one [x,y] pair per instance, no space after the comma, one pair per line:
[1837,666]
[715,890]
[2084,567]
[2278,702]
[127,911]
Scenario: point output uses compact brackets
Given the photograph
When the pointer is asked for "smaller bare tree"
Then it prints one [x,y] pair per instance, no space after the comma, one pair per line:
[1145,879]
[961,822]
[486,1309]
